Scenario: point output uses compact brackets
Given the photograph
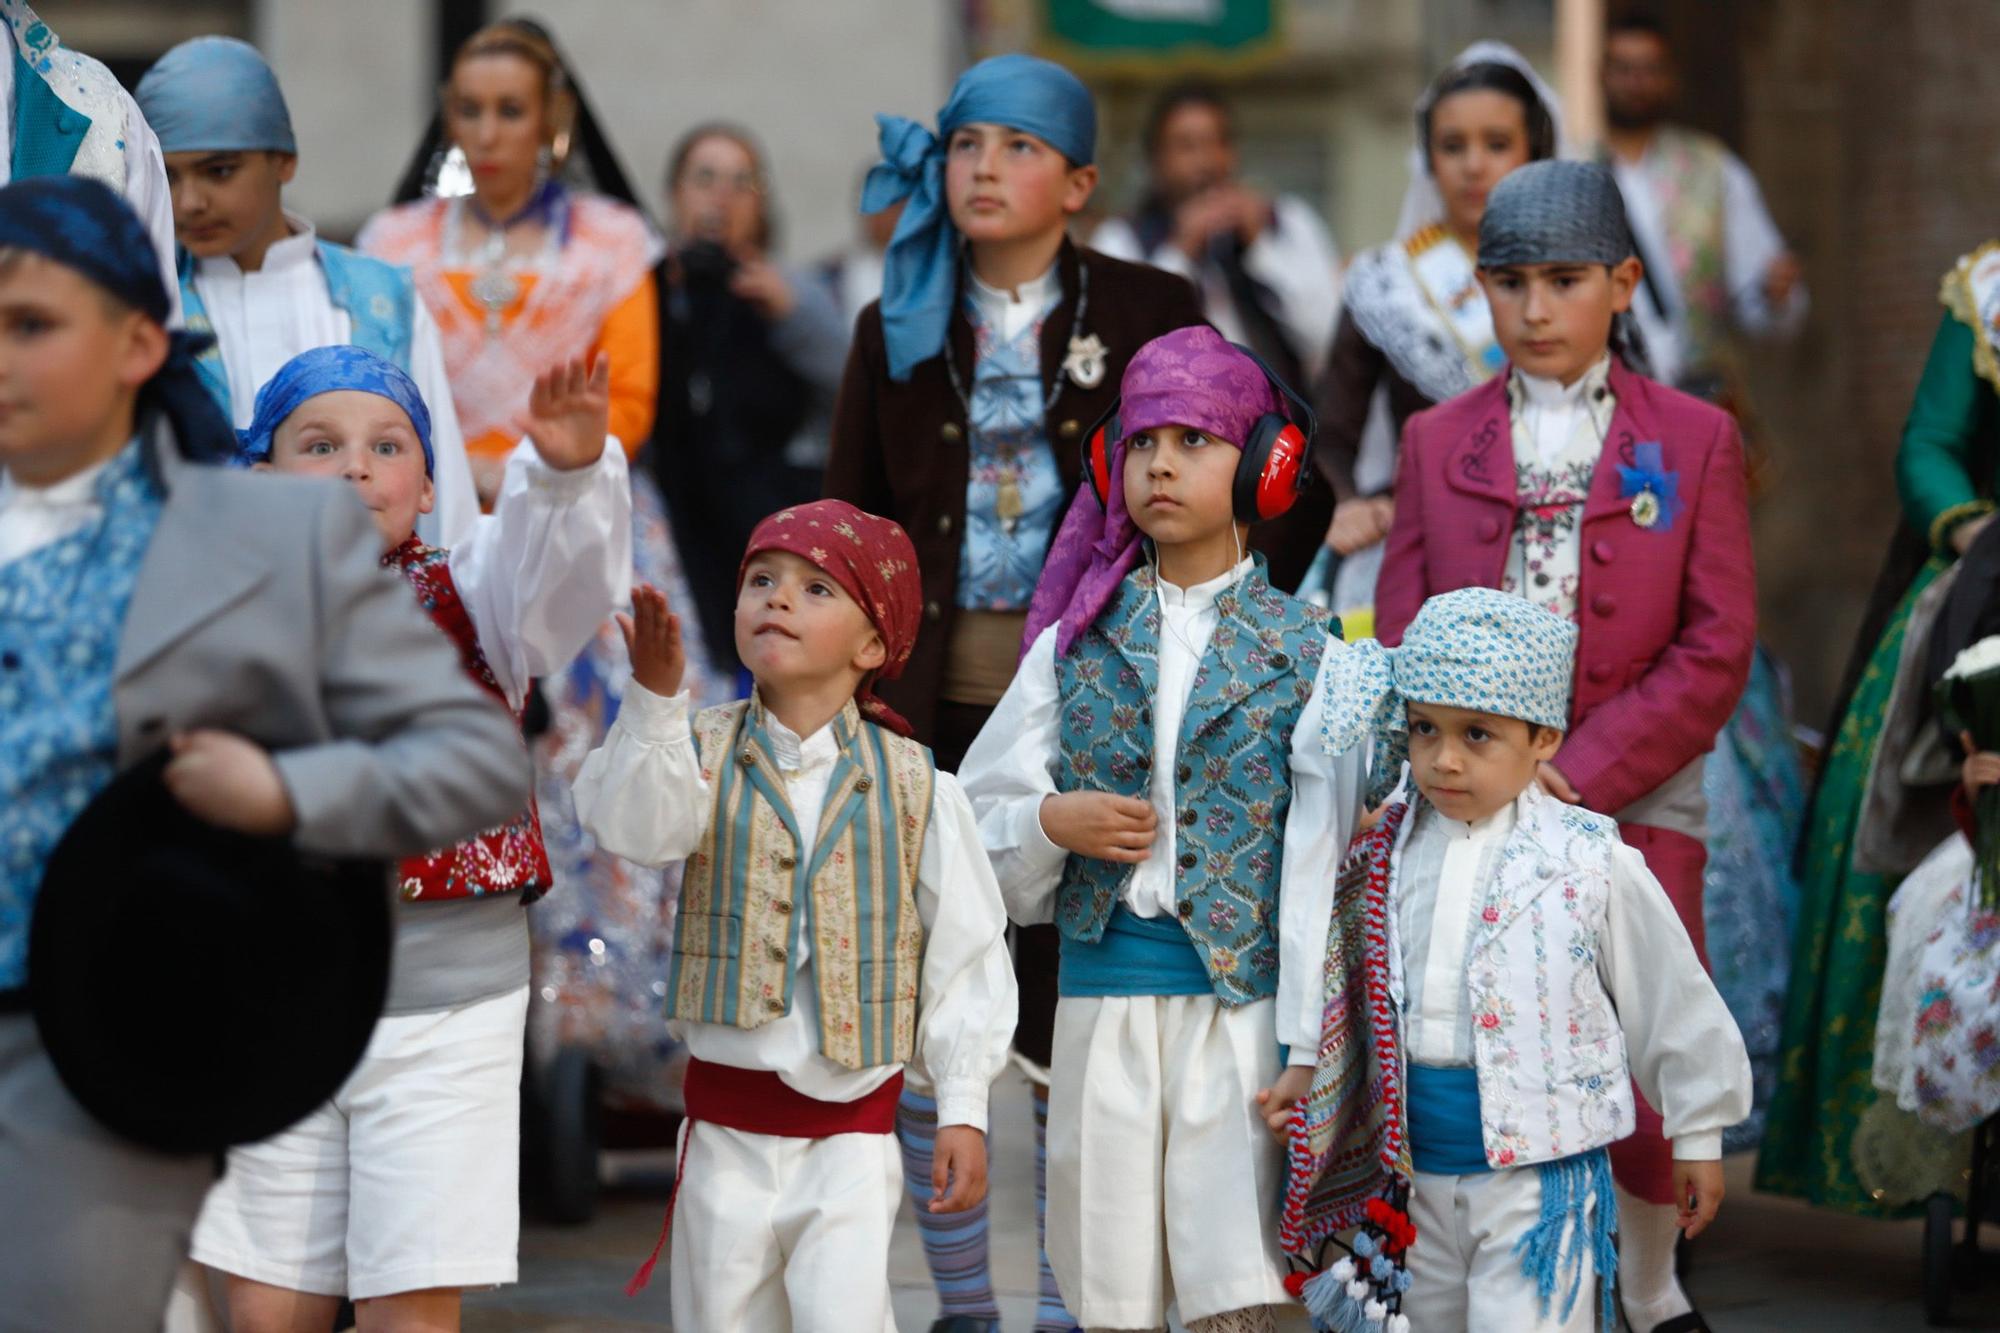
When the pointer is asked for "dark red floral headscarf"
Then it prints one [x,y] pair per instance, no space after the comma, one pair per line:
[869,556]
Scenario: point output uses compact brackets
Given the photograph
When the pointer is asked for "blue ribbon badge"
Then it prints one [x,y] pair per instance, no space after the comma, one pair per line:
[1653,491]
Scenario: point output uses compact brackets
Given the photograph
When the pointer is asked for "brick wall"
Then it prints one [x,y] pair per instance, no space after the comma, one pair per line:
[1871,126]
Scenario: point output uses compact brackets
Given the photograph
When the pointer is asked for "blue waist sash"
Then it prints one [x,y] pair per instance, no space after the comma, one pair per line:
[1139,955]
[1444,1121]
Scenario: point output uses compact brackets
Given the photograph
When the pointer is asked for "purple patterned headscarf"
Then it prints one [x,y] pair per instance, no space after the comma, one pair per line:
[1190,377]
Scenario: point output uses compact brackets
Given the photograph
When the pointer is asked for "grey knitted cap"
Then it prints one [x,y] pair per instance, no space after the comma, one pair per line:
[1555,212]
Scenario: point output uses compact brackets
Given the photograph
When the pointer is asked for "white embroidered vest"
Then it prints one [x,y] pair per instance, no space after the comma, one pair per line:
[1553,1076]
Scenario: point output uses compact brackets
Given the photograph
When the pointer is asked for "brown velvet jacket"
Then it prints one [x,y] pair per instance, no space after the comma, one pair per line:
[900,450]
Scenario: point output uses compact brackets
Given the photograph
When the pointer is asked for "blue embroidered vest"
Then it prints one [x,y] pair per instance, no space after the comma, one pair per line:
[47,130]
[1232,775]
[1014,495]
[380,300]
[62,609]
[747,896]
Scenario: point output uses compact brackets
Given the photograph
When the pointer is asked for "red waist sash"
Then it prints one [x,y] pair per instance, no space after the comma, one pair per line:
[757,1101]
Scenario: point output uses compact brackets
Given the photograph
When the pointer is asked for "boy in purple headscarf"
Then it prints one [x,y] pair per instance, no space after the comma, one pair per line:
[1153,782]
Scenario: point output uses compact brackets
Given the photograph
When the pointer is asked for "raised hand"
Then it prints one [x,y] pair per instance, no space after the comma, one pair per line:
[653,638]
[569,413]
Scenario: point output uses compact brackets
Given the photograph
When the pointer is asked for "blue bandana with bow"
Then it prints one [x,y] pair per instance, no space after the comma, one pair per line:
[1476,648]
[215,95]
[1021,92]
[331,370]
[85,226]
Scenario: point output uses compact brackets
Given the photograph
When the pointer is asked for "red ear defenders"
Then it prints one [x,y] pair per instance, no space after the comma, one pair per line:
[1271,473]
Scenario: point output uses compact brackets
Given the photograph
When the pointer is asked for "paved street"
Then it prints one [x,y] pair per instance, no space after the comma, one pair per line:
[1771,1265]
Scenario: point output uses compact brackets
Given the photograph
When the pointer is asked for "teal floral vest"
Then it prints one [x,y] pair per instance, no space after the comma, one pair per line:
[380,299]
[1232,777]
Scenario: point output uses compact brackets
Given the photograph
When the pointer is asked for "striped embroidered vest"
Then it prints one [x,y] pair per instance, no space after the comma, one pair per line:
[380,299]
[747,894]
[1232,774]
[507,859]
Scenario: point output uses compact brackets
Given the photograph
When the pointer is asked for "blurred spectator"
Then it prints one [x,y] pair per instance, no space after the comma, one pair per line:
[1715,263]
[1265,265]
[854,276]
[751,352]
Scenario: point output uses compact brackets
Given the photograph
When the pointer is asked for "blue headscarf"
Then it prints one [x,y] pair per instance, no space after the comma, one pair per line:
[1021,92]
[215,95]
[83,225]
[330,370]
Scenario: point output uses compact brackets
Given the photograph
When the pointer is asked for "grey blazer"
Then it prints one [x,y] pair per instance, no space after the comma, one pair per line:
[262,608]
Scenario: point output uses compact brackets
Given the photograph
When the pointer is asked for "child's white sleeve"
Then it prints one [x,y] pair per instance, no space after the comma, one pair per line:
[543,571]
[966,1013]
[1008,773]
[641,793]
[1326,798]
[1683,1046]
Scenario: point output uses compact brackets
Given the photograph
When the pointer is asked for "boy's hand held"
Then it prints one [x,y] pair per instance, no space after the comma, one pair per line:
[1100,825]
[1556,785]
[1697,1195]
[569,412]
[1275,1102]
[653,638]
[958,1169]
[225,780]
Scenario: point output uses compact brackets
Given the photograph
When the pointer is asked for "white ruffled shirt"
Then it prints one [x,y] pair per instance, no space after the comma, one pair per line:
[1665,1003]
[641,795]
[265,318]
[1559,433]
[1009,772]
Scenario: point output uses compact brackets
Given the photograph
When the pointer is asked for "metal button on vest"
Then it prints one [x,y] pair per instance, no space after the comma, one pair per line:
[1187,818]
[1143,762]
[1597,672]
[782,906]
[1187,860]
[944,525]
[950,433]
[1602,551]
[1068,429]
[864,783]
[1280,662]
[1489,529]
[1186,911]
[787,862]
[776,1005]
[1603,604]
[748,759]
[777,953]
[1183,774]
[1145,716]
[933,612]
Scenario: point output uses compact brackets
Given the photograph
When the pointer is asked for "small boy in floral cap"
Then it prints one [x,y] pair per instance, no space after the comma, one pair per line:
[1505,968]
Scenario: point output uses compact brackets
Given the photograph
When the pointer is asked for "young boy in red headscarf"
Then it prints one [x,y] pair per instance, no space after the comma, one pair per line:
[816,953]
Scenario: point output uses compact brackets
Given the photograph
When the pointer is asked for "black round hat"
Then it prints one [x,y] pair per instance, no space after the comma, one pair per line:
[198,988]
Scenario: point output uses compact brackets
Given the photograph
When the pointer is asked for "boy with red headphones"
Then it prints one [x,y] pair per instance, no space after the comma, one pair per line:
[1153,783]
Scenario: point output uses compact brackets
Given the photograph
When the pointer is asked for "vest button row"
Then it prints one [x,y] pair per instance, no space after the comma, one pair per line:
[1142,762]
[950,432]
[1068,430]
[1186,911]
[864,783]
[1183,775]
[1602,551]
[1280,662]
[776,1004]
[1187,818]
[1604,604]
[944,525]
[1187,860]
[777,953]
[787,862]
[782,906]
[749,760]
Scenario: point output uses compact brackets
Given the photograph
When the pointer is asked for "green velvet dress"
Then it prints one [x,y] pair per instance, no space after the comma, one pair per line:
[1944,475]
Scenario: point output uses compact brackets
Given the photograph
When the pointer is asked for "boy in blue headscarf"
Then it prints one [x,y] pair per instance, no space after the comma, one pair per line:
[146,602]
[258,277]
[402,1189]
[968,392]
